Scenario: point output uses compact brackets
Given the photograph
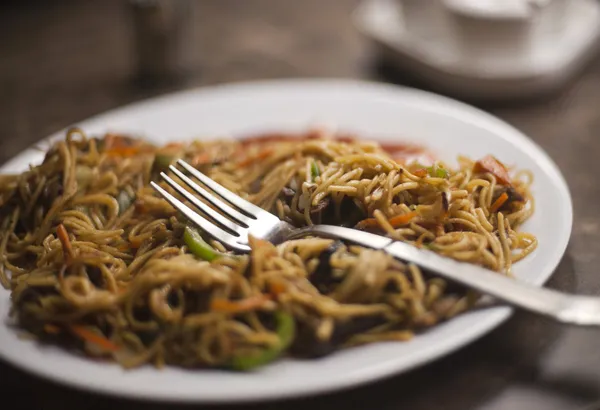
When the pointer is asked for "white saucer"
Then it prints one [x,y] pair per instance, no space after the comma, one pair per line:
[428,50]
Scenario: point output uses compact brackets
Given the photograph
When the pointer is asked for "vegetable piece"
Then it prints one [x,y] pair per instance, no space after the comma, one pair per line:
[112,140]
[499,202]
[288,192]
[350,213]
[400,220]
[89,336]
[437,172]
[201,159]
[445,203]
[264,154]
[166,155]
[63,237]
[276,288]
[515,199]
[198,246]
[514,195]
[314,171]
[238,306]
[421,172]
[494,167]
[445,207]
[322,278]
[125,200]
[162,161]
[321,205]
[395,221]
[286,330]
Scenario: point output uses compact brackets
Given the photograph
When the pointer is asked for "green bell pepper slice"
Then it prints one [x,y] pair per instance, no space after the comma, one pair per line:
[198,246]
[286,330]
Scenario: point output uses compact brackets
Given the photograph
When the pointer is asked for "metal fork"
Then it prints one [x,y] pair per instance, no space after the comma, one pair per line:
[245,218]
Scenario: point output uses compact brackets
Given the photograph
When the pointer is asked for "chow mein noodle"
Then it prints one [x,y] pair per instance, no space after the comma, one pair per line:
[98,263]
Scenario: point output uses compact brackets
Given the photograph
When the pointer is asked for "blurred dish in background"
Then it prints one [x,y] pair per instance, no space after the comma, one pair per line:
[485,49]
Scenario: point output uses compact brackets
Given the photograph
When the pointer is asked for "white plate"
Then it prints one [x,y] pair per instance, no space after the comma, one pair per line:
[373,110]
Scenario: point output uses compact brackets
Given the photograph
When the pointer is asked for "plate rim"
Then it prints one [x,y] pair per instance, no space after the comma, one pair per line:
[464,111]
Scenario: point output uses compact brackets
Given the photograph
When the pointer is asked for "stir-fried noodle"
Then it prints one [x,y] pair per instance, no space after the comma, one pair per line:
[97,261]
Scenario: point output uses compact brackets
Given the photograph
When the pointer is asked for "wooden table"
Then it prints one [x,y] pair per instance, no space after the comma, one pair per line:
[63,61]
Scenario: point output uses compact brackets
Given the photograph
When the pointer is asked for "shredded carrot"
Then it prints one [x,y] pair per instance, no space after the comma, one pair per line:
[396,221]
[258,157]
[201,159]
[499,202]
[121,146]
[51,329]
[63,237]
[400,220]
[238,306]
[276,288]
[115,141]
[89,336]
[421,173]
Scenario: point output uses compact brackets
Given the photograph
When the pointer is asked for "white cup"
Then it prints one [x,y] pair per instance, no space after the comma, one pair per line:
[498,32]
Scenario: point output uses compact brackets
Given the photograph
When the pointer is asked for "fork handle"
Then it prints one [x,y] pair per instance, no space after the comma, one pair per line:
[563,307]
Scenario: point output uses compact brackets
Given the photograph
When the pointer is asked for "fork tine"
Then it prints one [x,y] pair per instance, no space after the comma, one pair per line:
[211,198]
[203,207]
[234,199]
[216,232]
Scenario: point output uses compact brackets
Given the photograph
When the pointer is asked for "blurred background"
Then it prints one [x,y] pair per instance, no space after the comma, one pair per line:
[62,61]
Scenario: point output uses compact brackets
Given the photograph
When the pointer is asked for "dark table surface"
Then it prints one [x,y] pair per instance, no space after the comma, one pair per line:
[63,61]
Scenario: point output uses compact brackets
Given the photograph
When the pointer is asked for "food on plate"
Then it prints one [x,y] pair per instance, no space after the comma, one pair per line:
[97,262]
